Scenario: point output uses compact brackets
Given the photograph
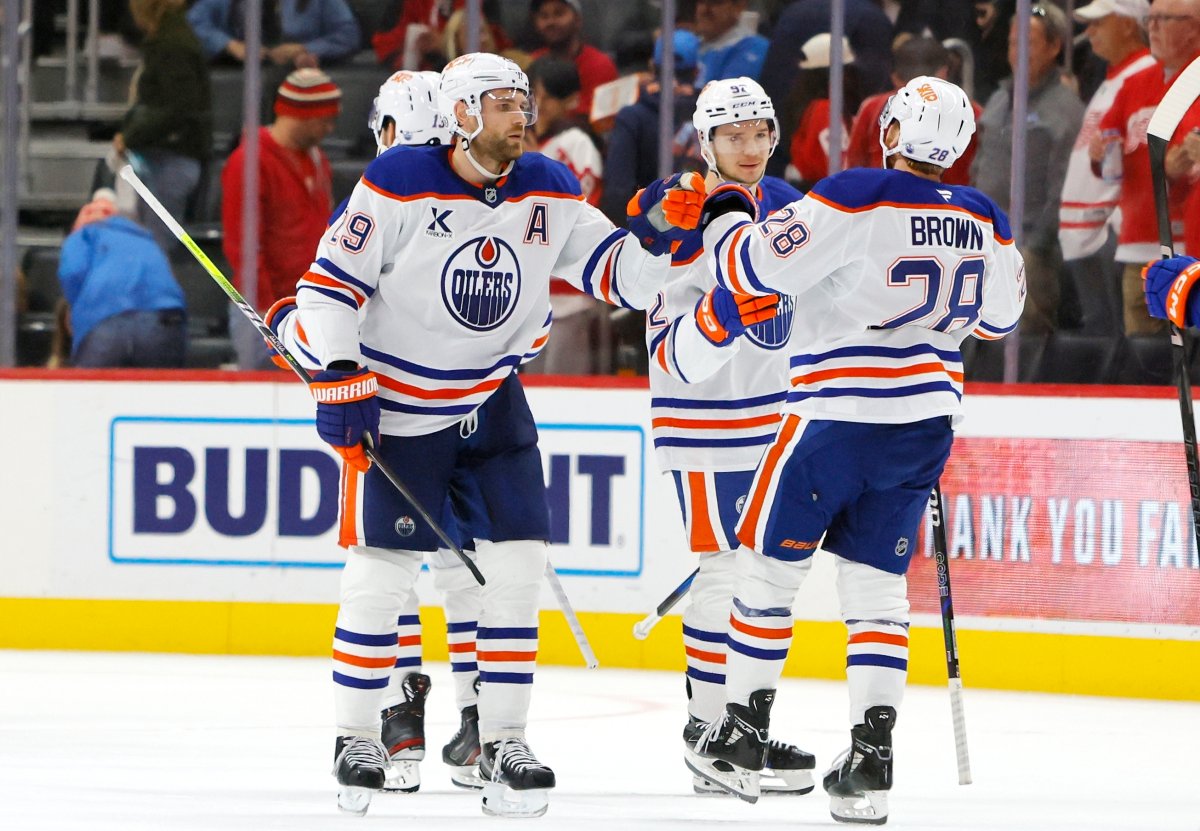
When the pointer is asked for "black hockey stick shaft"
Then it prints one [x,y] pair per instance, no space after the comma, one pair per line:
[246,309]
[941,558]
[1179,337]
[643,627]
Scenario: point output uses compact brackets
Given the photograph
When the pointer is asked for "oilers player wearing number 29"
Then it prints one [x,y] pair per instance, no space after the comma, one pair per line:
[423,299]
[909,267]
[717,385]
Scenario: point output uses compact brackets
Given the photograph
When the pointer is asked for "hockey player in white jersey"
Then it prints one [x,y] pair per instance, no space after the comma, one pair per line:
[910,268]
[716,397]
[405,112]
[423,298]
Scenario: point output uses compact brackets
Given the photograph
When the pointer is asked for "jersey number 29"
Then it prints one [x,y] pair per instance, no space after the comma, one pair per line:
[941,310]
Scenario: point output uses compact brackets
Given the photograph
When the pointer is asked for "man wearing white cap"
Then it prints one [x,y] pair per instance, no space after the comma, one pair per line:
[1089,197]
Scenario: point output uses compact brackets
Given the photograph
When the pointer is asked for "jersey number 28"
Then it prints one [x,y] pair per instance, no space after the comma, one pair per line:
[943,308]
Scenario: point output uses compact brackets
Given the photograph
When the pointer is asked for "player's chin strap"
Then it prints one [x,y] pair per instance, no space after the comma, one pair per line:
[483,171]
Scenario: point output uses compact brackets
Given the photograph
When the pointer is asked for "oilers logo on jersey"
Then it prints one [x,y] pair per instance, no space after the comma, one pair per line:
[774,333]
[481,283]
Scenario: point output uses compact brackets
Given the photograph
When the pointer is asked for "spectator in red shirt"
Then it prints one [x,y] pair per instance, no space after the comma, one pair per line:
[559,24]
[417,41]
[295,199]
[1174,29]
[810,98]
[915,57]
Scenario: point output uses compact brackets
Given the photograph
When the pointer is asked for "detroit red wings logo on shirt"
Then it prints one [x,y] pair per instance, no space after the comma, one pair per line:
[481,283]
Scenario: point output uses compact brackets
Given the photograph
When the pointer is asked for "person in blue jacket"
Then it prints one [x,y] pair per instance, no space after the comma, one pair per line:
[127,310]
[295,33]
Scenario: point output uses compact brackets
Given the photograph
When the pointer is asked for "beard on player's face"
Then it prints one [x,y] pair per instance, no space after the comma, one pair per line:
[498,145]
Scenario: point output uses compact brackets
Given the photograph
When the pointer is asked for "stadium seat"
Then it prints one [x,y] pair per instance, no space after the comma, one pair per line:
[227,85]
[40,265]
[983,361]
[346,173]
[371,15]
[207,305]
[359,84]
[1073,358]
[1146,359]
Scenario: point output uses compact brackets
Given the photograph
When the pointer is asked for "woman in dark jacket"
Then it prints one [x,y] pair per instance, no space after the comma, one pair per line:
[167,133]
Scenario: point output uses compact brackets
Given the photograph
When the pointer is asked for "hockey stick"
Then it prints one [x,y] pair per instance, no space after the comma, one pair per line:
[132,178]
[1184,91]
[641,629]
[560,594]
[941,558]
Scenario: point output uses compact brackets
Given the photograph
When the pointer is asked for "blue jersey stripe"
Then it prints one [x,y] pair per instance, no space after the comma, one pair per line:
[508,633]
[505,677]
[755,652]
[344,276]
[338,296]
[701,675]
[440,374]
[896,352]
[732,404]
[701,635]
[876,661]
[408,620]
[996,330]
[469,667]
[745,441]
[364,640]
[872,392]
[462,626]
[401,663]
[360,683]
[748,267]
[600,251]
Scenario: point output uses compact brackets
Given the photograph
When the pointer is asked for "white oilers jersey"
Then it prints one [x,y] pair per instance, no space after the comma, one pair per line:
[715,408]
[908,267]
[441,287]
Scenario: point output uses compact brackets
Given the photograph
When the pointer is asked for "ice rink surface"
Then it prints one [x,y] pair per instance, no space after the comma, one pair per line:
[103,741]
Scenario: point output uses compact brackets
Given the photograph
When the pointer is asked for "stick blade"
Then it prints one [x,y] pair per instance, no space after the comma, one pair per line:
[1183,92]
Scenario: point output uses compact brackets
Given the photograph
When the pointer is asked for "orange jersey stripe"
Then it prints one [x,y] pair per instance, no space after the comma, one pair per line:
[716,423]
[759,631]
[751,512]
[508,656]
[365,663]
[731,262]
[466,646]
[329,282]
[703,536]
[409,640]
[879,637]
[875,372]
[701,655]
[450,392]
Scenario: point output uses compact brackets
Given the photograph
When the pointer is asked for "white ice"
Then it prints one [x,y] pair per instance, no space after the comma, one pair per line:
[102,741]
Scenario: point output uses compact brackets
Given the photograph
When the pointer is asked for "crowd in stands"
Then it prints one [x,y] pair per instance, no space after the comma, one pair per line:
[1087,226]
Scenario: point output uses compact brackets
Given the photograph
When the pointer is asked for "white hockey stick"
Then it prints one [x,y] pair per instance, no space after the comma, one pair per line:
[1184,91]
[641,629]
[564,603]
[132,178]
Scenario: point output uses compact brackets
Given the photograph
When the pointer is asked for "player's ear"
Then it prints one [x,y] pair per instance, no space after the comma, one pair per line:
[460,115]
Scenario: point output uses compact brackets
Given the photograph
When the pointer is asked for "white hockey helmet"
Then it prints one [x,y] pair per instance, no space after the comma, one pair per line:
[469,77]
[729,101]
[409,99]
[936,121]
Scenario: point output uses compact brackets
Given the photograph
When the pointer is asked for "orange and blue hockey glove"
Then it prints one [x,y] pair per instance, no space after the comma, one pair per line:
[1168,285]
[347,410]
[661,214]
[722,315]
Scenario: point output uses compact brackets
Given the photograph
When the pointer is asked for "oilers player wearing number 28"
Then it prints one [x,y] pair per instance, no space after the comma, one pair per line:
[909,267]
[718,372]
[424,297]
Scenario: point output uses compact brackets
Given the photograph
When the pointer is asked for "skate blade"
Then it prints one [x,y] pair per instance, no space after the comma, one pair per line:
[466,776]
[740,782]
[786,782]
[499,800]
[867,808]
[402,776]
[354,800]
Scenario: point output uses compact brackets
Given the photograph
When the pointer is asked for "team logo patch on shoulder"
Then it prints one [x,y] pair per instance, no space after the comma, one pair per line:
[774,333]
[481,283]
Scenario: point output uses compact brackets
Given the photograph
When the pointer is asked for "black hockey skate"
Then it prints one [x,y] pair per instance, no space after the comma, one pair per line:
[516,784]
[359,764]
[461,753]
[859,780]
[404,735]
[788,771]
[732,751]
